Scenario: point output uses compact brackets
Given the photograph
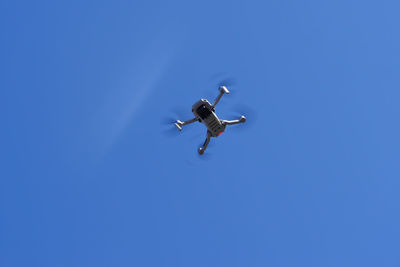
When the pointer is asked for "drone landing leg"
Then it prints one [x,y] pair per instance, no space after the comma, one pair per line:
[202,149]
[179,123]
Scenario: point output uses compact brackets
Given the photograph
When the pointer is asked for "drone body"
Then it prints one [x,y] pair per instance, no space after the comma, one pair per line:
[204,112]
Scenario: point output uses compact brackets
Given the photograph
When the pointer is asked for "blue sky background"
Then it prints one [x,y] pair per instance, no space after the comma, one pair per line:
[89,177]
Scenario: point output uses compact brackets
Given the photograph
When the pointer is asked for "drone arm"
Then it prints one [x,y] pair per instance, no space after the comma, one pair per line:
[206,142]
[241,120]
[222,90]
[189,121]
[179,123]
[230,122]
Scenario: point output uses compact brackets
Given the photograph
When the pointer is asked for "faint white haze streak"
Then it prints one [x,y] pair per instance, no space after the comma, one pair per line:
[134,100]
[125,99]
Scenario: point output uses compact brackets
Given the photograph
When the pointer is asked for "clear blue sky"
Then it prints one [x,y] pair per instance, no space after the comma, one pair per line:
[88,177]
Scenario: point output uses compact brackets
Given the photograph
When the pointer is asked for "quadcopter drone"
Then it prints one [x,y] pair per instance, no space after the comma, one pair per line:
[204,112]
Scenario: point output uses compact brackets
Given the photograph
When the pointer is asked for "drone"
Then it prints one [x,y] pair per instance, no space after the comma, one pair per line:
[204,112]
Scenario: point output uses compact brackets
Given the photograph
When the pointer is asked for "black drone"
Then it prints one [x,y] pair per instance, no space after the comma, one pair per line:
[204,112]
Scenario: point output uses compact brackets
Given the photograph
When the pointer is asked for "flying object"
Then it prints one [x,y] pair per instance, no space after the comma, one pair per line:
[204,112]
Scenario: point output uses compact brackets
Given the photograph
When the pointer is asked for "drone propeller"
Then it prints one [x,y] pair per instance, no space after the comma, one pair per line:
[169,128]
[230,83]
[168,120]
[171,132]
[205,157]
[215,82]
[175,114]
[223,78]
[227,82]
